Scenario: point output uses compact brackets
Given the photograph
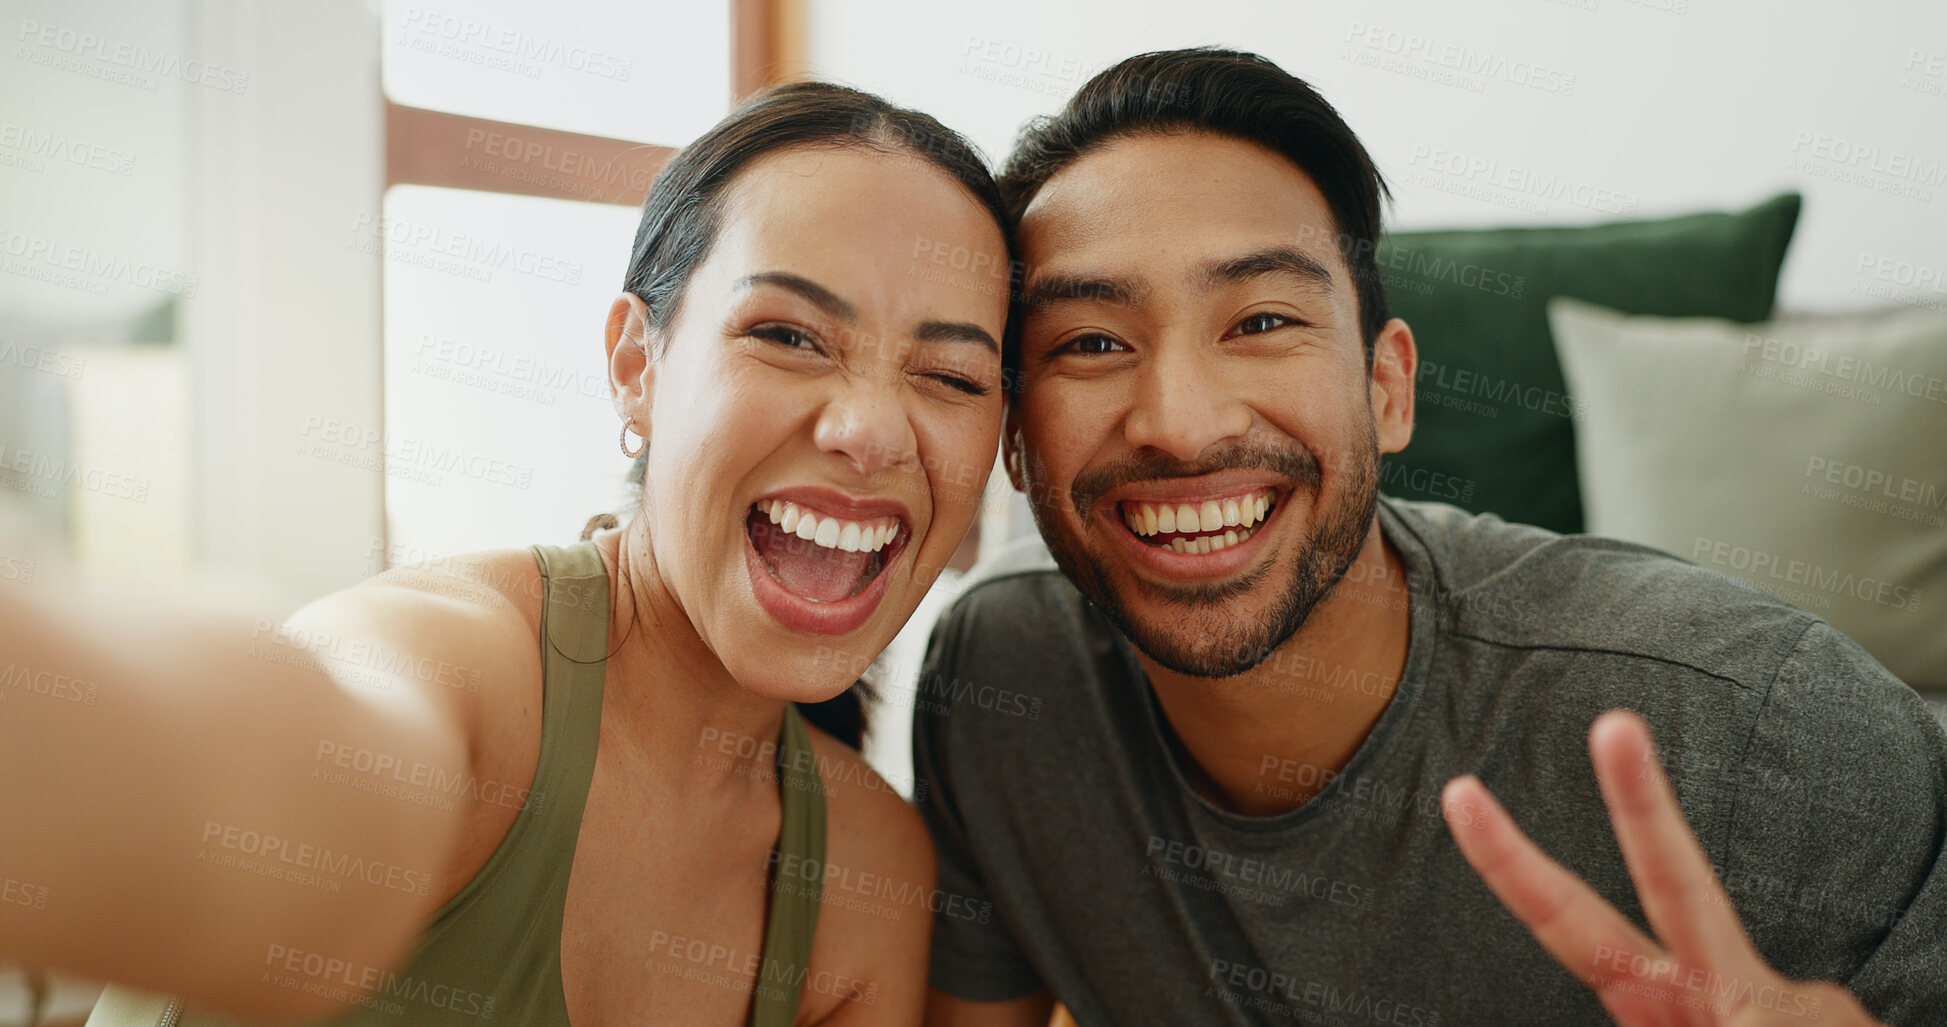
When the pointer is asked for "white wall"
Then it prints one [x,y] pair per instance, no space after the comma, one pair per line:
[214,152]
[285,327]
[1675,104]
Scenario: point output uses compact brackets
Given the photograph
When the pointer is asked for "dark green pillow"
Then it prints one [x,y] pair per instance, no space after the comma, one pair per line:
[1495,426]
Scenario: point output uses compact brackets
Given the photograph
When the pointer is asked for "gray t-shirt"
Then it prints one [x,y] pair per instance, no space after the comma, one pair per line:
[1081,860]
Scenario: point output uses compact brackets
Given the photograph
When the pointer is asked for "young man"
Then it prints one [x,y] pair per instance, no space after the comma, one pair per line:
[1247,684]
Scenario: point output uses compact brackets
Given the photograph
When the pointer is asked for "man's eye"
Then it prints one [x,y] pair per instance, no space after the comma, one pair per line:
[785,336]
[1093,345]
[1257,324]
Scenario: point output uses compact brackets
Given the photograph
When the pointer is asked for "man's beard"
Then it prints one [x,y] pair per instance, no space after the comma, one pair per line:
[1208,634]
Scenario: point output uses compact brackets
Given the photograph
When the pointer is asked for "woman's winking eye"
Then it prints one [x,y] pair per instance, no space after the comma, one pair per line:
[795,339]
[960,382]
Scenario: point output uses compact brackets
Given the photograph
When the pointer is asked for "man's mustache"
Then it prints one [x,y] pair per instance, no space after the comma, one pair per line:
[1295,463]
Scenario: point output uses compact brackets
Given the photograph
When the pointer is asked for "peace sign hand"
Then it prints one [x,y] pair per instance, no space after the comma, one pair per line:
[1705,970]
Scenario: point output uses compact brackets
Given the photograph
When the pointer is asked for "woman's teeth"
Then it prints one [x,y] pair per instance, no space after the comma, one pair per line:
[1202,527]
[830,532]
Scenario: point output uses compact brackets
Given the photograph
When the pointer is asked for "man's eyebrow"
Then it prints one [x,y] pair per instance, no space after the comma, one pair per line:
[820,297]
[1278,260]
[1055,287]
[955,331]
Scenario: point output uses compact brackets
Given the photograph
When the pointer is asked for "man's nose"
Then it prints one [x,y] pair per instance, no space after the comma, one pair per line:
[1183,403]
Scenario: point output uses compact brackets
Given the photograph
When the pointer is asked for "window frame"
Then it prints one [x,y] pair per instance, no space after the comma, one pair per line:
[425,147]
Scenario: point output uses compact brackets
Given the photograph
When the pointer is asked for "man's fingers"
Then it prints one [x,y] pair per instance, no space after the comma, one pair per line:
[1680,893]
[1639,983]
[1582,931]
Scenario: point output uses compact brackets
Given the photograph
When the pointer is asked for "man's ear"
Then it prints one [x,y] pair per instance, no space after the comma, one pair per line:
[1013,450]
[631,373]
[1395,367]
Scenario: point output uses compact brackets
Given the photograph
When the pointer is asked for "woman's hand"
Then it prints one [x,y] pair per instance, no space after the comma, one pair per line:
[1704,971]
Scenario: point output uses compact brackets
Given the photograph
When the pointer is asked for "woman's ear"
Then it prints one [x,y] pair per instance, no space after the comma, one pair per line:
[631,373]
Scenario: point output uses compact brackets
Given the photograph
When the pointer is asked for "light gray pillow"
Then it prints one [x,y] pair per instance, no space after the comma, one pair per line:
[1807,456]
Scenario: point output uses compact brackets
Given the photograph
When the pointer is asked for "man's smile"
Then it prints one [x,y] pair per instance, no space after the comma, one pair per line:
[1194,529]
[1199,527]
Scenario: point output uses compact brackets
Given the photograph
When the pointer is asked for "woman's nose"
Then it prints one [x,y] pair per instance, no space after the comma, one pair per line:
[867,425]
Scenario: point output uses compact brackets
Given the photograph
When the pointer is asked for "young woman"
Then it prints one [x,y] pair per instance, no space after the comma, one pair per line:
[572,784]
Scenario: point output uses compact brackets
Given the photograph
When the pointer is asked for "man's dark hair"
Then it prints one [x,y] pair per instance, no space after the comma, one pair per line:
[1224,92]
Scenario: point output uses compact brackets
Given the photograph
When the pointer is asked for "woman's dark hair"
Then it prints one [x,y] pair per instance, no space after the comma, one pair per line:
[1224,92]
[684,210]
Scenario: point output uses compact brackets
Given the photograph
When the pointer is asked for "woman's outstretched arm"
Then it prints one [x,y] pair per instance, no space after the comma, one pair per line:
[190,799]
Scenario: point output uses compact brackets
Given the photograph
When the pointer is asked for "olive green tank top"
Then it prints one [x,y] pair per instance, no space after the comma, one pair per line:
[492,954]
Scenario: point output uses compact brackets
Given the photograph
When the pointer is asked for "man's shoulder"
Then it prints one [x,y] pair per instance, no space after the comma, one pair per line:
[1020,638]
[1519,587]
[1473,552]
[1018,590]
[1644,629]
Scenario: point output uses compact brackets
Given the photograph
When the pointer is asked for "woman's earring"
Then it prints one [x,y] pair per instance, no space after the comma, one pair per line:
[626,425]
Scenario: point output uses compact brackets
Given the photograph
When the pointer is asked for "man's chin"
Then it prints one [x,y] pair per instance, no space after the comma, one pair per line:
[1209,629]
[1205,645]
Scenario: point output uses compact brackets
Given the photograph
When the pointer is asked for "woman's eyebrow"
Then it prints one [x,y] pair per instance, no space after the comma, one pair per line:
[955,331]
[819,296]
[843,309]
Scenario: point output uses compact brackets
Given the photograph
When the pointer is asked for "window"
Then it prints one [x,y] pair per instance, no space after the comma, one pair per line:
[520,141]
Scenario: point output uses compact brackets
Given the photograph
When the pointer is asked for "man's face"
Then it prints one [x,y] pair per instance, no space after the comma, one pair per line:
[1196,429]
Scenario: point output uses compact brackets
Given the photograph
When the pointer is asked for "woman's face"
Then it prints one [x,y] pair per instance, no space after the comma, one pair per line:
[824,411]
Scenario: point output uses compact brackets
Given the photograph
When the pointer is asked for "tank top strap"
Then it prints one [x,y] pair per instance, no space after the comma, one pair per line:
[574,653]
[797,878]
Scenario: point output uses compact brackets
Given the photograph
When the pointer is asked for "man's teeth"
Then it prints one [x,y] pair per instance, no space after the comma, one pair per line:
[830,532]
[1209,543]
[1226,521]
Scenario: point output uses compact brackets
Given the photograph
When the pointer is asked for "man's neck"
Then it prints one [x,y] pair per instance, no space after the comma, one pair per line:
[1265,741]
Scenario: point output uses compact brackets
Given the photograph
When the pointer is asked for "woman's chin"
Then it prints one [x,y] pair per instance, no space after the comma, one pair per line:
[816,678]
[775,660]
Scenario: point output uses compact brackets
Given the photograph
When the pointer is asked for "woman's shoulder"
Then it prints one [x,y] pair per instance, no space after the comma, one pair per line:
[468,626]
[504,581]
[878,852]
[448,624]
[875,914]
[865,815]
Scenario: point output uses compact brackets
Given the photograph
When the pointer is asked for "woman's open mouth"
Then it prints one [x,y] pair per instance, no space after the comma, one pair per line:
[820,558]
[815,570]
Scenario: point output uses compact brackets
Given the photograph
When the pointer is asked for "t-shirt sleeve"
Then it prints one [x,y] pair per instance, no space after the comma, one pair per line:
[974,956]
[1838,866]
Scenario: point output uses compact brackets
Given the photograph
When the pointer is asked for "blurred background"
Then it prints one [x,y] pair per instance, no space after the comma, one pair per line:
[290,293]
